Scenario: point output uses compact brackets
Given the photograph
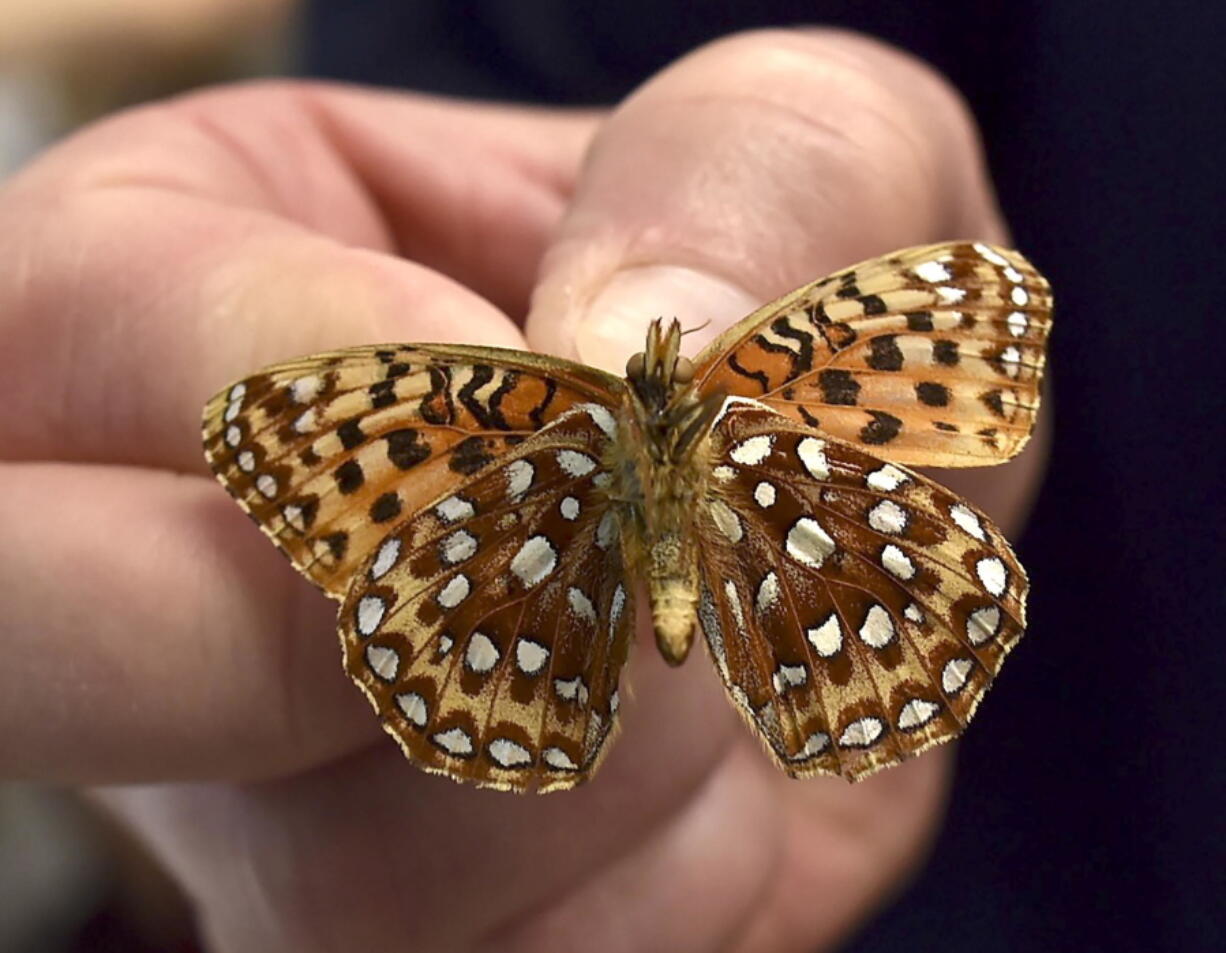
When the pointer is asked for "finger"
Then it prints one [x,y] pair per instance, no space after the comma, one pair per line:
[848,846]
[171,250]
[149,634]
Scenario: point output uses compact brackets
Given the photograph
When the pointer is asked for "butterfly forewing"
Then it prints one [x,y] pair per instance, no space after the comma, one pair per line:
[327,453]
[489,629]
[932,356]
[856,611]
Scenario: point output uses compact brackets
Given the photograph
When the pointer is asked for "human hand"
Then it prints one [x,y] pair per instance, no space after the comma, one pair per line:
[153,636]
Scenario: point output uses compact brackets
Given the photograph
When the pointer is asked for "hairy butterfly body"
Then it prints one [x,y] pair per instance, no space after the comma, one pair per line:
[482,515]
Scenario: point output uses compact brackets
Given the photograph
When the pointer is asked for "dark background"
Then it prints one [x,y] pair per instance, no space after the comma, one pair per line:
[1088,809]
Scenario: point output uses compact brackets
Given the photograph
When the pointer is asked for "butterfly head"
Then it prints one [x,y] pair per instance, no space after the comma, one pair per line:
[660,379]
[659,372]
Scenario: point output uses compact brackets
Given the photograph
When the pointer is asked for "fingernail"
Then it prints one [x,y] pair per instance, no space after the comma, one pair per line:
[615,323]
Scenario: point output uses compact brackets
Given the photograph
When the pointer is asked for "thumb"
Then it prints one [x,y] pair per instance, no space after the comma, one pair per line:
[750,167]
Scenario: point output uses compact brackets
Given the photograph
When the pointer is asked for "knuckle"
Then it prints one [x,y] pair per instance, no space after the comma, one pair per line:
[862,104]
[851,83]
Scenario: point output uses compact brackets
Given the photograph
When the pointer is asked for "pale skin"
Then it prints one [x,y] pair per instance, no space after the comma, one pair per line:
[152,635]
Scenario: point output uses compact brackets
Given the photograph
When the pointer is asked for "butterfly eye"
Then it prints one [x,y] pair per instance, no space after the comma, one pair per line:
[636,365]
[683,372]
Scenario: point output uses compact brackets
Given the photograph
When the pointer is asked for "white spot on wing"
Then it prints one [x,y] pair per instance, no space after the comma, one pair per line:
[233,436]
[455,592]
[569,508]
[454,741]
[990,254]
[454,509]
[897,562]
[457,547]
[580,604]
[575,464]
[827,638]
[369,614]
[789,676]
[616,607]
[932,271]
[982,624]
[809,543]
[293,516]
[955,674]
[305,389]
[887,479]
[1019,296]
[993,574]
[752,451]
[535,560]
[1013,274]
[914,613]
[768,592]
[519,478]
[764,494]
[414,708]
[728,522]
[1011,358]
[734,602]
[950,295]
[812,453]
[509,754]
[482,654]
[383,661]
[306,421]
[1018,323]
[386,558]
[916,713]
[965,517]
[888,517]
[267,485]
[814,745]
[571,689]
[861,733]
[530,656]
[559,760]
[878,629]
[723,473]
[246,461]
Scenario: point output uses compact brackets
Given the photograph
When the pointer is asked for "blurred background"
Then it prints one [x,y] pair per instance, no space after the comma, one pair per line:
[1089,810]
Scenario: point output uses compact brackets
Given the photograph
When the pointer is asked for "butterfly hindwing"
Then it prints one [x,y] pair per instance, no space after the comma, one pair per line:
[489,629]
[855,610]
[932,356]
[327,453]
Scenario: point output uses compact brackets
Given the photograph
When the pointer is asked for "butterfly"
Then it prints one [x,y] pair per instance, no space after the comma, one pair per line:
[483,515]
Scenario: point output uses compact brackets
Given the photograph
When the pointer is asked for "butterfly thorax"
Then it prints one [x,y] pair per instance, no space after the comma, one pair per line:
[660,473]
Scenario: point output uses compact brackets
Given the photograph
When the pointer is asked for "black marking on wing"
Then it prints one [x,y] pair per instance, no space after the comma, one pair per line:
[510,380]
[759,376]
[881,429]
[802,359]
[537,414]
[482,375]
